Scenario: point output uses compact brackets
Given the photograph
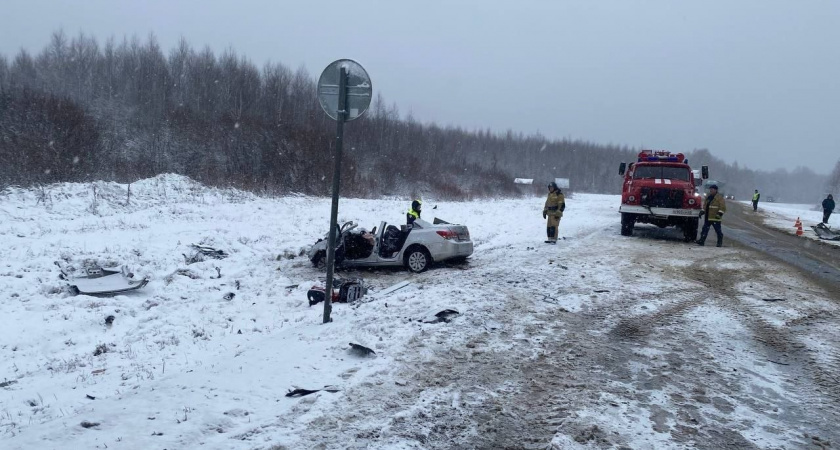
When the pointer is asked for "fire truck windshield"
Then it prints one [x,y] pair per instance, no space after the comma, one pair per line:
[663,172]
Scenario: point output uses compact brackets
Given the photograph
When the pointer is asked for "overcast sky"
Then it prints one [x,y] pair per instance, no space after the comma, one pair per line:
[754,81]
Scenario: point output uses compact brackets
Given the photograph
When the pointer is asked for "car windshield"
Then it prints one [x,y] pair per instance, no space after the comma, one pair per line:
[663,172]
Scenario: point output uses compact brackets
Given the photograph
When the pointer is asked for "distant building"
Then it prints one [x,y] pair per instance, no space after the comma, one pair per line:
[562,183]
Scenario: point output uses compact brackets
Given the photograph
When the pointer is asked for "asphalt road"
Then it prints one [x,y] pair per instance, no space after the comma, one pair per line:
[817,260]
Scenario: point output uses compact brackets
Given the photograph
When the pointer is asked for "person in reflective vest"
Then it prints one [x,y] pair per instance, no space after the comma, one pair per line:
[555,204]
[756,196]
[713,208]
[413,213]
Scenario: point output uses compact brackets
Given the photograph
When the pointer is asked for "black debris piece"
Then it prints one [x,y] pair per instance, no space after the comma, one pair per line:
[86,424]
[773,299]
[444,316]
[109,320]
[601,291]
[7,383]
[298,392]
[360,350]
[229,296]
[90,397]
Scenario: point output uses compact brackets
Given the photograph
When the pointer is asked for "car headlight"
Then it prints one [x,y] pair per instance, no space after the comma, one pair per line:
[631,198]
[691,201]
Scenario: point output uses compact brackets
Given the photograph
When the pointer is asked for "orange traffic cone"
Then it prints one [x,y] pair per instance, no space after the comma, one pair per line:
[798,226]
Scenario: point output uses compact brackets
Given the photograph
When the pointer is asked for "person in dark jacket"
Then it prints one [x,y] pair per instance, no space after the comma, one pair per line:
[756,196]
[413,213]
[713,208]
[828,208]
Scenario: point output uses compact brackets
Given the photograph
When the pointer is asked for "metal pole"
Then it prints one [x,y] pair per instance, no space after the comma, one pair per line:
[339,138]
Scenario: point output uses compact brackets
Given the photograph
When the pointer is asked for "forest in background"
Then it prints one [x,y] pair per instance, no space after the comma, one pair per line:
[81,110]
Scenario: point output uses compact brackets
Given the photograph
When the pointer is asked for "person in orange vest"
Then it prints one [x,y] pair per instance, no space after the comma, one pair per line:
[713,208]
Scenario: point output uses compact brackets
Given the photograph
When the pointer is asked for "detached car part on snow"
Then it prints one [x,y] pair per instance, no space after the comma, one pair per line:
[102,281]
[344,291]
[414,247]
[825,232]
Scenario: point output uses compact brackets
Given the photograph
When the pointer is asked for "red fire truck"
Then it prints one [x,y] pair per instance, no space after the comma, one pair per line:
[660,189]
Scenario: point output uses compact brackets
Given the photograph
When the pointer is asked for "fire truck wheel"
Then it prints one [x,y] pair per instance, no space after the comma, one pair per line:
[627,222]
[690,230]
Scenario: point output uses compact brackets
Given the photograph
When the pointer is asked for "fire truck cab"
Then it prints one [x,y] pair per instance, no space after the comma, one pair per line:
[660,189]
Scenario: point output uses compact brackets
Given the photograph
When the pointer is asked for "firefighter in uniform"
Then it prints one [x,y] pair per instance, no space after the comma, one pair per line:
[413,213]
[756,196]
[555,204]
[713,208]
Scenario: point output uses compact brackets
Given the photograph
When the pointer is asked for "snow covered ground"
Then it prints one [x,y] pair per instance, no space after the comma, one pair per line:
[599,342]
[782,216]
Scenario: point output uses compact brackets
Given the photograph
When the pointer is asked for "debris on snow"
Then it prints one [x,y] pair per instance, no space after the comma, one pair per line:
[383,293]
[360,350]
[444,316]
[298,392]
[201,253]
[349,291]
[101,281]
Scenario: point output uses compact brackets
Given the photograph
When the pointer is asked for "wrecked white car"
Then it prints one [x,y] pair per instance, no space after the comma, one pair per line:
[416,247]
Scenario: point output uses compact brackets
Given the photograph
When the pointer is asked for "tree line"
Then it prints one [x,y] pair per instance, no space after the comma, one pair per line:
[123,110]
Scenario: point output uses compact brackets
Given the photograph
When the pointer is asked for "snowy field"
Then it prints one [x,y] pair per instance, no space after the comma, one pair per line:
[599,342]
[782,216]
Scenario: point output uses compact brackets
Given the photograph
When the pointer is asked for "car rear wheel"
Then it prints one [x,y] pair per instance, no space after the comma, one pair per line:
[417,259]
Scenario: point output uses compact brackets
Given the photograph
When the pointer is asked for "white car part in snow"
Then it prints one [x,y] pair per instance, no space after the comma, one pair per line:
[378,295]
[111,283]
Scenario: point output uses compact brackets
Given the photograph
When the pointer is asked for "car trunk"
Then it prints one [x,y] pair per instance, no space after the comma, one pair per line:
[462,232]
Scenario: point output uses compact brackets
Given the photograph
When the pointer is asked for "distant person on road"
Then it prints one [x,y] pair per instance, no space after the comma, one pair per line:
[756,196]
[413,213]
[828,208]
[555,204]
[713,208]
